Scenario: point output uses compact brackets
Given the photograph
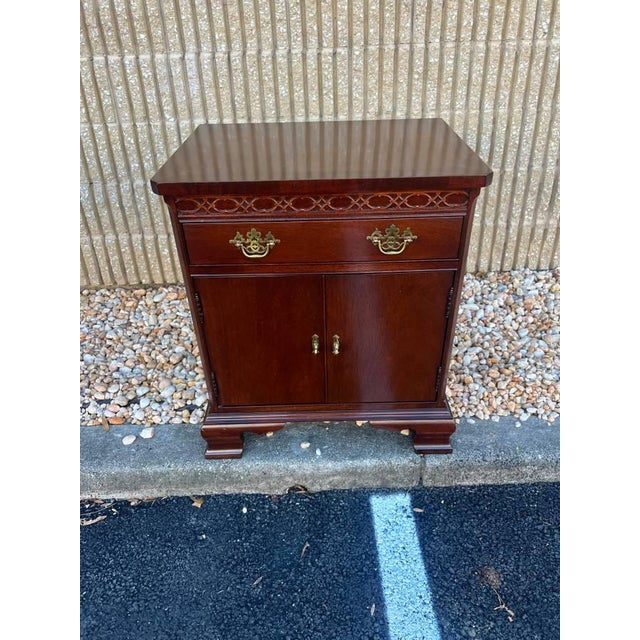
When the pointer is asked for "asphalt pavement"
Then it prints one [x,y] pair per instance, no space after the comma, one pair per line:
[432,563]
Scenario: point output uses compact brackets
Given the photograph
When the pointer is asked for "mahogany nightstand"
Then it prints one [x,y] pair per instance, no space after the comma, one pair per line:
[323,263]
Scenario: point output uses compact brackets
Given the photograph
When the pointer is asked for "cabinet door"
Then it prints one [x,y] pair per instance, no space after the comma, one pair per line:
[259,332]
[391,329]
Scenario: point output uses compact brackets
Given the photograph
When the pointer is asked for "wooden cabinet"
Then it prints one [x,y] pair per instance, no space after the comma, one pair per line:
[323,264]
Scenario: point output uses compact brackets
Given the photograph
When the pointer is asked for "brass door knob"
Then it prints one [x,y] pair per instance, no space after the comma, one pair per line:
[335,349]
[315,344]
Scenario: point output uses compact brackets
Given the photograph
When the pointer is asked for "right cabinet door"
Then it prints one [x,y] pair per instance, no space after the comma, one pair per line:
[389,329]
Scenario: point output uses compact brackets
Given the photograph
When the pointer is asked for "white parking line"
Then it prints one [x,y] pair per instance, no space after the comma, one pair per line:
[408,602]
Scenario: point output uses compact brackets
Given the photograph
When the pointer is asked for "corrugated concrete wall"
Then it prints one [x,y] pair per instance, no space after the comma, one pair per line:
[152,70]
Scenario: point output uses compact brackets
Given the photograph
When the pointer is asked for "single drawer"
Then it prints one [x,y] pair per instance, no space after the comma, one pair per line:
[358,240]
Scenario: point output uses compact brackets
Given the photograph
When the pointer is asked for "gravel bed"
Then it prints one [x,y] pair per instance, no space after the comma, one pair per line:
[140,364]
[506,349]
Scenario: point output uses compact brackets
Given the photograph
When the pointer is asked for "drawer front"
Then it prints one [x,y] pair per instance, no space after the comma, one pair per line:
[361,240]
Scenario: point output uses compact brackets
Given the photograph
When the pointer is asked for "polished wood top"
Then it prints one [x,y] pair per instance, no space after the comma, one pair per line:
[321,156]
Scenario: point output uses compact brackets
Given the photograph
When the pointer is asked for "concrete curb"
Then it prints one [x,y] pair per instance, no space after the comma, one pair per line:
[339,456]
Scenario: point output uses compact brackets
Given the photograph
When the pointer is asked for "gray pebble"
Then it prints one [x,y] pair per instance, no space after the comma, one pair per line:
[167,392]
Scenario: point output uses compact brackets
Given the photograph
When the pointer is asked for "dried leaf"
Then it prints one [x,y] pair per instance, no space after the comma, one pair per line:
[297,488]
[196,502]
[510,614]
[491,576]
[304,549]
[84,523]
[257,582]
[105,424]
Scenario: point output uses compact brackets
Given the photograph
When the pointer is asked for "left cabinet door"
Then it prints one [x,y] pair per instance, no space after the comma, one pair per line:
[259,332]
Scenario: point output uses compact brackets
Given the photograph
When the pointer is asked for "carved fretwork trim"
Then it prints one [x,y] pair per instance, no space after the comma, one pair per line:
[438,377]
[367,202]
[214,384]
[449,301]
[196,296]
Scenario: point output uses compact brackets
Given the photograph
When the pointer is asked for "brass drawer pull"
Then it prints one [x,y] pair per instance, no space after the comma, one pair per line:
[336,345]
[254,246]
[315,344]
[392,243]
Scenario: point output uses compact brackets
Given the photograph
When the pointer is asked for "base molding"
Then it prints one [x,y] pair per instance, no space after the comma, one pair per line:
[431,427]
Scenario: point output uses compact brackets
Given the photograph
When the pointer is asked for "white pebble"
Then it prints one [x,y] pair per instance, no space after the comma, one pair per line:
[147,432]
[167,392]
[128,439]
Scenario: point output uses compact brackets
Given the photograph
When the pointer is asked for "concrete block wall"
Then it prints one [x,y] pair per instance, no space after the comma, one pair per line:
[152,70]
